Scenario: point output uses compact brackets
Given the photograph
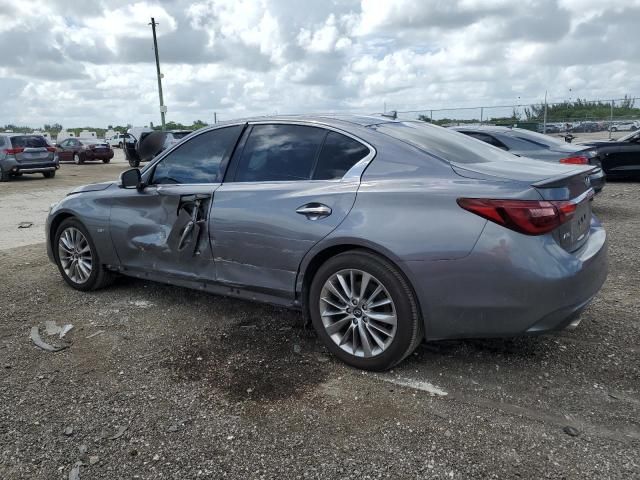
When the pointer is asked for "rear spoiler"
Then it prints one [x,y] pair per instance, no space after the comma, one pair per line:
[561,180]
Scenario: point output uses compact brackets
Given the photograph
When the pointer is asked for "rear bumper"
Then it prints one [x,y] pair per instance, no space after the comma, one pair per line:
[509,285]
[34,167]
[89,155]
[597,180]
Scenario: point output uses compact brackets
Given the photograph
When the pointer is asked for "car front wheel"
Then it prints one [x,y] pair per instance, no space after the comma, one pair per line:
[77,257]
[77,159]
[50,174]
[365,311]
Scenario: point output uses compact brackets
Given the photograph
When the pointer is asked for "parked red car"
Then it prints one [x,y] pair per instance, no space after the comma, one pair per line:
[80,150]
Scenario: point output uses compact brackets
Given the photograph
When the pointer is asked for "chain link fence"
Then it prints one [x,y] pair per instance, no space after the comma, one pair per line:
[580,116]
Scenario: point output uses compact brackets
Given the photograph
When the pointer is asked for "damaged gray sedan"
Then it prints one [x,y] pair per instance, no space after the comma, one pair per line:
[384,233]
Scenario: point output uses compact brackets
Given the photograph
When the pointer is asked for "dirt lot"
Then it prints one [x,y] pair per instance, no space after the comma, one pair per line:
[163,382]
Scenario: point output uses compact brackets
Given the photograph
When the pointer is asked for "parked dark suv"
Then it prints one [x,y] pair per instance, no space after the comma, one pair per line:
[21,153]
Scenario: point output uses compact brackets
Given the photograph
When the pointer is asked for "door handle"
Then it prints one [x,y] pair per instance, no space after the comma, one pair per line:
[314,211]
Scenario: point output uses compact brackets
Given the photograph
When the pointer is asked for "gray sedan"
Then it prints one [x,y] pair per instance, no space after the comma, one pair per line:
[383,233]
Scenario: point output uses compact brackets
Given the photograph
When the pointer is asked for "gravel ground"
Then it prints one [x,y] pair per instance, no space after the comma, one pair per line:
[164,382]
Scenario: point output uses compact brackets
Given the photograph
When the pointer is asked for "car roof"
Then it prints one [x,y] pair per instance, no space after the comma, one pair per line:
[329,119]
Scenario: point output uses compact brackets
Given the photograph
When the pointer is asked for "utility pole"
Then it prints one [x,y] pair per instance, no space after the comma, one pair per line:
[544,122]
[163,108]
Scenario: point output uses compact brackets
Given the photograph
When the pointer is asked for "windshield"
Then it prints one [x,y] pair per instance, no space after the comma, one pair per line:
[179,135]
[629,136]
[29,141]
[448,145]
[534,137]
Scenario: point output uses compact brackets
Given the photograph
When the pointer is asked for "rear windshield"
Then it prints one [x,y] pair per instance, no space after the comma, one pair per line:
[29,141]
[448,145]
[539,139]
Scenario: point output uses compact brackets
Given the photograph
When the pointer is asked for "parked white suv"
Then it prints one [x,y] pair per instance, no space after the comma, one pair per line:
[116,140]
[625,126]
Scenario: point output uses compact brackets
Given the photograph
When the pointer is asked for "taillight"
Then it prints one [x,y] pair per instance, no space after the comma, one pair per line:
[51,149]
[14,151]
[577,160]
[531,217]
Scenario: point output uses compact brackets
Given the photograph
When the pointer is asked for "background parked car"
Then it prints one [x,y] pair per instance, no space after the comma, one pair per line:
[625,126]
[21,154]
[525,143]
[619,157]
[80,150]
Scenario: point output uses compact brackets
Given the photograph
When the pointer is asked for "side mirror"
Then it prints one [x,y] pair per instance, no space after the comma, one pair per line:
[131,178]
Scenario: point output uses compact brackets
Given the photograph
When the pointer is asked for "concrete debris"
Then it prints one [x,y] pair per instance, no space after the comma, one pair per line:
[25,225]
[68,431]
[119,433]
[74,474]
[95,334]
[38,342]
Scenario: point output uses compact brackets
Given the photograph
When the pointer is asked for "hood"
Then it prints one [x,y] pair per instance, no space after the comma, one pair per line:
[520,169]
[93,187]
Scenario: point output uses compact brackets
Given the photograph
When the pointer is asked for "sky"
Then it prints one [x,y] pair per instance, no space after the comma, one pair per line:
[91,62]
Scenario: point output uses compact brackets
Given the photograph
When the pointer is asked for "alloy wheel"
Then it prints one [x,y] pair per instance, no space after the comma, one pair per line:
[75,255]
[358,313]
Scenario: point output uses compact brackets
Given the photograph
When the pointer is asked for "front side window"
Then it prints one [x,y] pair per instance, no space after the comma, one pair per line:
[279,153]
[198,160]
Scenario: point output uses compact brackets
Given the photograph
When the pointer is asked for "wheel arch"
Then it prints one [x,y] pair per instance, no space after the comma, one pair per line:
[55,224]
[321,253]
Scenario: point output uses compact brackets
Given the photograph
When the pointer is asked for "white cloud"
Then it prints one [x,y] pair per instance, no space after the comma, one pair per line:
[92,63]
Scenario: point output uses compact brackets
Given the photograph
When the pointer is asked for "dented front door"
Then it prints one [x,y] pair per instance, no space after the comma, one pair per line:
[165,229]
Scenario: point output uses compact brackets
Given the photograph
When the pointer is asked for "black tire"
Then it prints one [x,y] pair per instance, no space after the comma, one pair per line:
[100,277]
[4,176]
[78,159]
[106,160]
[409,331]
[134,163]
[120,145]
[50,174]
[614,129]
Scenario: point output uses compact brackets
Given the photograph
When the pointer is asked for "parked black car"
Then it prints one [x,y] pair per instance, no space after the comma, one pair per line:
[619,157]
[525,143]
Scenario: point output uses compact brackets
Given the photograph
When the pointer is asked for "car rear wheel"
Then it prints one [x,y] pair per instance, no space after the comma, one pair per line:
[106,160]
[77,159]
[49,174]
[77,257]
[365,311]
[120,145]
[4,176]
[614,129]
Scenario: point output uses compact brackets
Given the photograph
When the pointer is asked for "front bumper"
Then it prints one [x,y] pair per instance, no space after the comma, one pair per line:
[509,285]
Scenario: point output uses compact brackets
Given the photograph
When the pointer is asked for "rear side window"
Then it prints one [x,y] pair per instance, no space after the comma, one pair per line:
[199,159]
[29,141]
[178,135]
[279,153]
[339,153]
